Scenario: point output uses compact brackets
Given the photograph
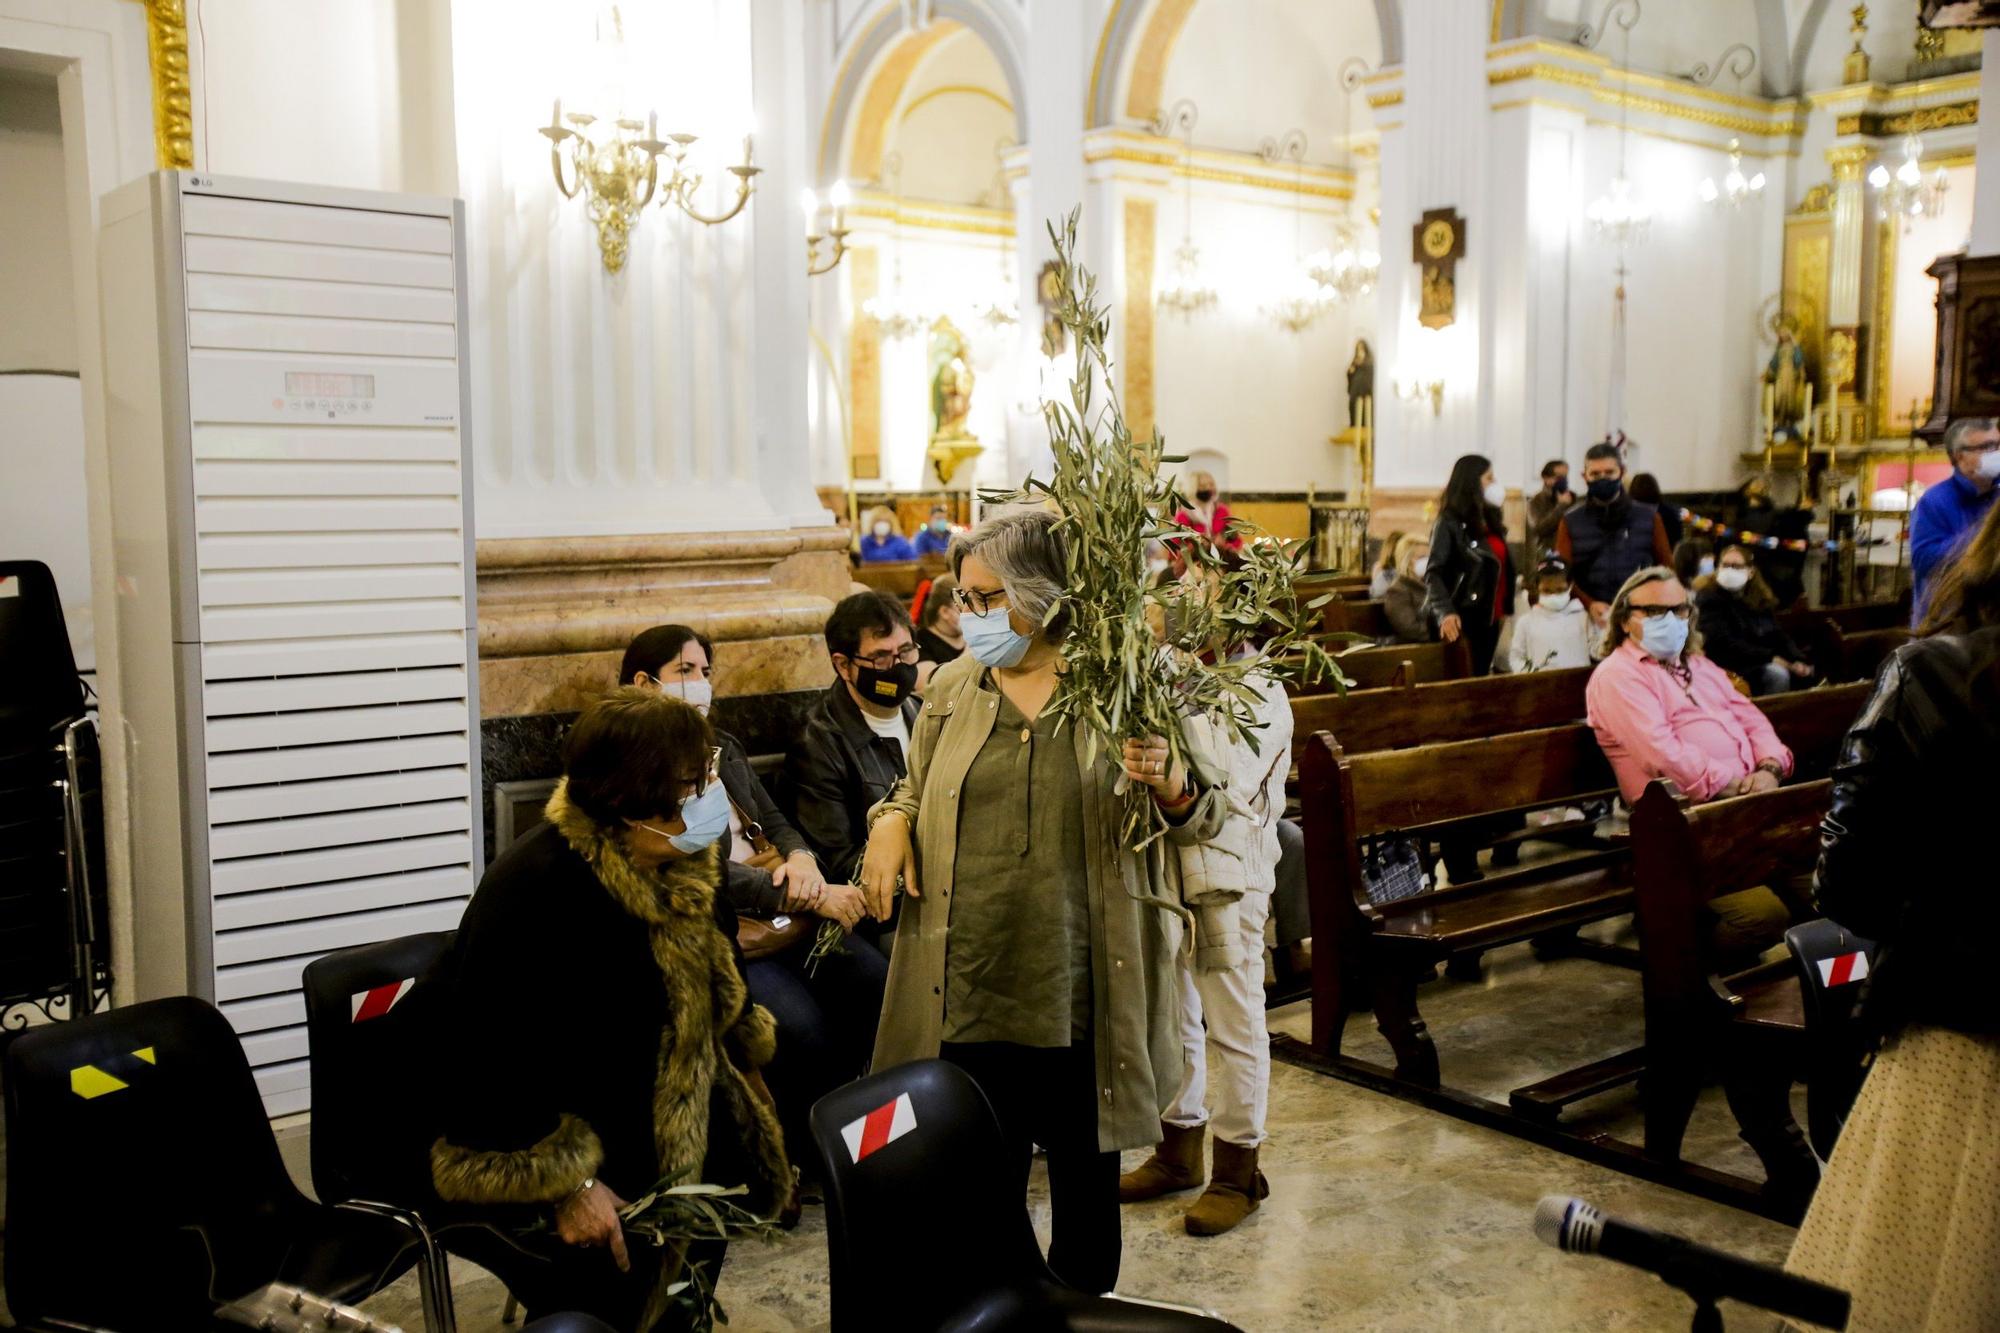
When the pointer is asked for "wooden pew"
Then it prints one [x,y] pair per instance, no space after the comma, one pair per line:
[1399,716]
[898,578]
[1859,654]
[1369,954]
[1818,630]
[1402,663]
[1344,617]
[1310,586]
[1695,1015]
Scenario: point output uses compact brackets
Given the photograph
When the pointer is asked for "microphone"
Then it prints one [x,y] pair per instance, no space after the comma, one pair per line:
[1574,1227]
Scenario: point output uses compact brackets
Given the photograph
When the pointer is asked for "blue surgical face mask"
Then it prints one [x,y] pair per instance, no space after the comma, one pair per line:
[705,818]
[991,638]
[1664,636]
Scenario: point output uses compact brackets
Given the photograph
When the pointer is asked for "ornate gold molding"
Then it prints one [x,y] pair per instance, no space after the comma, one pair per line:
[1880,410]
[864,363]
[1138,354]
[173,95]
[955,90]
[1847,160]
[1393,97]
[1880,125]
[1818,199]
[1149,60]
[1310,189]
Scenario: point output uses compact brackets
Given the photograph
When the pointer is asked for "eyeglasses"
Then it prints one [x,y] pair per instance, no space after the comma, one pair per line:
[1986,448]
[885,659]
[977,602]
[713,772]
[1680,612]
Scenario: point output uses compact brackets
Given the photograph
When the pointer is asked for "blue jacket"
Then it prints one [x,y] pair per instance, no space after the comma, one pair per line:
[1943,521]
[932,543]
[891,547]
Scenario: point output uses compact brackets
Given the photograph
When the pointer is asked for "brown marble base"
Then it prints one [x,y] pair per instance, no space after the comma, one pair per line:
[556,613]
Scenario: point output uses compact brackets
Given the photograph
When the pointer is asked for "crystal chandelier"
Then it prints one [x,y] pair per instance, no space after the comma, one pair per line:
[1905,193]
[1735,187]
[616,171]
[1618,215]
[1004,310]
[1299,298]
[1183,290]
[1349,271]
[895,317]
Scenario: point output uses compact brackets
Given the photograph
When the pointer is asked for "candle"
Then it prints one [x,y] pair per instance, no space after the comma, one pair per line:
[809,204]
[1770,400]
[555,115]
[840,196]
[1812,431]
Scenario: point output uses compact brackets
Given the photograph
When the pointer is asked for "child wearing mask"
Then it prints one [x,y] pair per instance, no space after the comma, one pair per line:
[882,543]
[1556,631]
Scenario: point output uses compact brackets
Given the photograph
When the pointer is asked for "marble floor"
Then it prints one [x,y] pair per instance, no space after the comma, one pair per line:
[1383,1215]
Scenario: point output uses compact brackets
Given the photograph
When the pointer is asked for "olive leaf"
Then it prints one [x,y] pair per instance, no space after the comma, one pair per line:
[1120,682]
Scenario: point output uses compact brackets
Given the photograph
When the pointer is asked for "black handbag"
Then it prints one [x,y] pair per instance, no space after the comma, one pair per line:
[1391,870]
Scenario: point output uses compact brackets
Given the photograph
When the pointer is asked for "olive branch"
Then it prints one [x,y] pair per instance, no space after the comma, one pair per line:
[1122,680]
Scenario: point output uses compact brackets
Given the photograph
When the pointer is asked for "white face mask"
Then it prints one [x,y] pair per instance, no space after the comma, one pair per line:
[698,692]
[1733,577]
[1556,601]
[881,531]
[1496,495]
[1419,565]
[1989,464]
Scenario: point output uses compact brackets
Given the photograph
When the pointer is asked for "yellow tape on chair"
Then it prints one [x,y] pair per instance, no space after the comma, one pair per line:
[88,1081]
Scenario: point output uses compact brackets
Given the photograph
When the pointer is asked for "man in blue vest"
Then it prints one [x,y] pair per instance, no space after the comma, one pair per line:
[1610,537]
[1949,511]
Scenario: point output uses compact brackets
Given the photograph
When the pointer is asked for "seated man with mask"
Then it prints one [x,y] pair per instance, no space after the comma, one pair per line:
[1662,709]
[855,746]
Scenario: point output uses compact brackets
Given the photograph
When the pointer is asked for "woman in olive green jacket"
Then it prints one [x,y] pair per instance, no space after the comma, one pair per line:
[1035,948]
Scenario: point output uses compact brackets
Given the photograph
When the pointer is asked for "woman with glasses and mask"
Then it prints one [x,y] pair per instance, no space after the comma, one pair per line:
[1035,949]
[826,1010]
[1661,709]
[1740,631]
[594,1035]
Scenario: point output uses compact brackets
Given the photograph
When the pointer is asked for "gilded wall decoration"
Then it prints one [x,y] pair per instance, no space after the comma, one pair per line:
[864,364]
[173,95]
[1137,358]
[1438,240]
[1808,247]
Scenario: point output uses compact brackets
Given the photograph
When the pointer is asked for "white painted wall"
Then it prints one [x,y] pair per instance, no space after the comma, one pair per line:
[355,94]
[1257,68]
[44,502]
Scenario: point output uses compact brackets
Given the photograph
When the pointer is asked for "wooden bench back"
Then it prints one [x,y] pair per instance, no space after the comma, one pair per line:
[1454,710]
[898,578]
[1340,616]
[1397,664]
[1450,780]
[1859,654]
[1812,723]
[1685,856]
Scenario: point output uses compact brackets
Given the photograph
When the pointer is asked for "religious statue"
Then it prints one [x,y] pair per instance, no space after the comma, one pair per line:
[951,400]
[1785,372]
[1360,380]
[1049,295]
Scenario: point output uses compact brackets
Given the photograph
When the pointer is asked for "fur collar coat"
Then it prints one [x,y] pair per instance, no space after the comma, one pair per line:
[595,1023]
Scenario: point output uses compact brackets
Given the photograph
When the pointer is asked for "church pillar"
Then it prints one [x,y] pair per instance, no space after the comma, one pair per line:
[1986,183]
[1846,333]
[640,435]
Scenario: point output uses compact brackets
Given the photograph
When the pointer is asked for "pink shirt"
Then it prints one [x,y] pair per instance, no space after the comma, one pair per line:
[1701,736]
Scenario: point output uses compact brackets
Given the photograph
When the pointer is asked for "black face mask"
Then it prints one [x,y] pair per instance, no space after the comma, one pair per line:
[1560,485]
[1204,496]
[884,688]
[1606,489]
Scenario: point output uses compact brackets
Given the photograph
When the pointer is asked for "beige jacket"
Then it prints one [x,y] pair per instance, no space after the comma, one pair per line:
[1134,912]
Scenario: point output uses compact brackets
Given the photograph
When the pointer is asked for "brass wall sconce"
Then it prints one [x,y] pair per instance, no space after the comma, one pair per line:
[1415,391]
[837,200]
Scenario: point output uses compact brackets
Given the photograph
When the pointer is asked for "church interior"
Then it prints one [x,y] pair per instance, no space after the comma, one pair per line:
[451,445]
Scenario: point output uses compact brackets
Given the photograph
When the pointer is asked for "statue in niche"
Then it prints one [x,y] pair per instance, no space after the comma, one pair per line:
[1049,295]
[951,401]
[1785,372]
[1360,381]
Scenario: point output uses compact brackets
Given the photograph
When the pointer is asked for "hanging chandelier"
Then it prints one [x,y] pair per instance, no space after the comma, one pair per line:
[1004,310]
[1184,290]
[1299,299]
[1904,192]
[1735,187]
[1619,215]
[894,316]
[1350,269]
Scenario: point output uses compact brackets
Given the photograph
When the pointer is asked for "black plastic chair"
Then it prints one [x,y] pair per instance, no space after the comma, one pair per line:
[361,1033]
[144,1186]
[52,890]
[1833,963]
[984,1271]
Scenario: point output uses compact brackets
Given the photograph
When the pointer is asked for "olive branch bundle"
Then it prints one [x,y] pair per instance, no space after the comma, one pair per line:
[1121,682]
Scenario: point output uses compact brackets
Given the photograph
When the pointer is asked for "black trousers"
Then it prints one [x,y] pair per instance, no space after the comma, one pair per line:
[826,1028]
[1482,636]
[1048,1096]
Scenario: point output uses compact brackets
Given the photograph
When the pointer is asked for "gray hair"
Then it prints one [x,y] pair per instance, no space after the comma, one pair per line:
[1956,433]
[1023,547]
[1621,611]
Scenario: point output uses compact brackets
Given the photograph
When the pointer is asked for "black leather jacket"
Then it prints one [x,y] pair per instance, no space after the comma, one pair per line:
[1464,575]
[838,769]
[1905,857]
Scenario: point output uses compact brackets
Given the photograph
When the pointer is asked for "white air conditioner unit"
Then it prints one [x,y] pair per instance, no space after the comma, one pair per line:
[285,372]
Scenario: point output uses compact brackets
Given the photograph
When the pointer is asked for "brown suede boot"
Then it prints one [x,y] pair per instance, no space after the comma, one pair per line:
[1235,1188]
[1174,1166]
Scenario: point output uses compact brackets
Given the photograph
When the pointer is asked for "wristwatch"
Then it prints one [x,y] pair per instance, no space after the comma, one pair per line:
[1771,766]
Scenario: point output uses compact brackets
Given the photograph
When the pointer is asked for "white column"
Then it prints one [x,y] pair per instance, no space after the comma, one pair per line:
[1986,186]
[781,448]
[1850,216]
